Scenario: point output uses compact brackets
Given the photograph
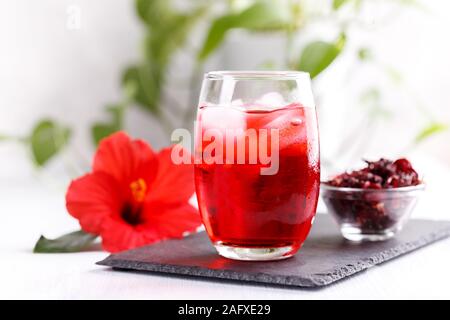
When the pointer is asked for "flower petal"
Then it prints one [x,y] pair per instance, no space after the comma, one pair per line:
[164,223]
[118,236]
[170,221]
[173,183]
[124,159]
[92,198]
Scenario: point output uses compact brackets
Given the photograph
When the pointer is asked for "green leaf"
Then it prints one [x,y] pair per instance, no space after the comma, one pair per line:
[430,130]
[163,40]
[147,84]
[339,3]
[101,130]
[265,15]
[216,35]
[318,55]
[152,12]
[71,242]
[47,139]
[262,15]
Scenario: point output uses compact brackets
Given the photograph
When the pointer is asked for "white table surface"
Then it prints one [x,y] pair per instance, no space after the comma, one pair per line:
[29,208]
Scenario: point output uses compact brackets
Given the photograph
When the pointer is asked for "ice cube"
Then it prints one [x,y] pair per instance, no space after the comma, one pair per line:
[271,101]
[217,117]
[280,119]
[291,126]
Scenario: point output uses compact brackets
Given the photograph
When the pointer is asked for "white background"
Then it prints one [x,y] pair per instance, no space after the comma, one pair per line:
[49,70]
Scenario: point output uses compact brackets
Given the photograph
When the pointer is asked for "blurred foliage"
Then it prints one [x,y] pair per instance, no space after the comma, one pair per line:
[101,130]
[338,3]
[260,16]
[168,28]
[318,55]
[365,54]
[371,100]
[167,31]
[431,129]
[47,139]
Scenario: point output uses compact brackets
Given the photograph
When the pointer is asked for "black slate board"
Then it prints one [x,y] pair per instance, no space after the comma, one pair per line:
[324,258]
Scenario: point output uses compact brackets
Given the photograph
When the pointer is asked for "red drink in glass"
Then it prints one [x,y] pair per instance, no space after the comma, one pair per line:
[244,209]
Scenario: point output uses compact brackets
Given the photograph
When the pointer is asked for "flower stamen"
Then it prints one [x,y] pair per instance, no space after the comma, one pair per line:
[138,189]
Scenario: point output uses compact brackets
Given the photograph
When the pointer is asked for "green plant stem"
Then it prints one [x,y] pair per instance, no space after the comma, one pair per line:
[4,137]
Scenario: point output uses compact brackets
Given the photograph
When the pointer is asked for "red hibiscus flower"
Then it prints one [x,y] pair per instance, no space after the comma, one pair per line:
[133,196]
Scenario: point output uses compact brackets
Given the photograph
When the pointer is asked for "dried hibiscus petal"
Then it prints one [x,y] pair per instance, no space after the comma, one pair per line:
[373,211]
[379,174]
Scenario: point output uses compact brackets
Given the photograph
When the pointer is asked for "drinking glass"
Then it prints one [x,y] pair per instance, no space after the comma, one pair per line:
[257,167]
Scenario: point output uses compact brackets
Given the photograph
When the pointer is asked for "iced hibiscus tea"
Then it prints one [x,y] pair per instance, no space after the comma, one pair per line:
[240,206]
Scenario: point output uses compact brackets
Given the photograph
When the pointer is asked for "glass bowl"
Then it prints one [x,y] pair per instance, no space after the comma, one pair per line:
[370,214]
